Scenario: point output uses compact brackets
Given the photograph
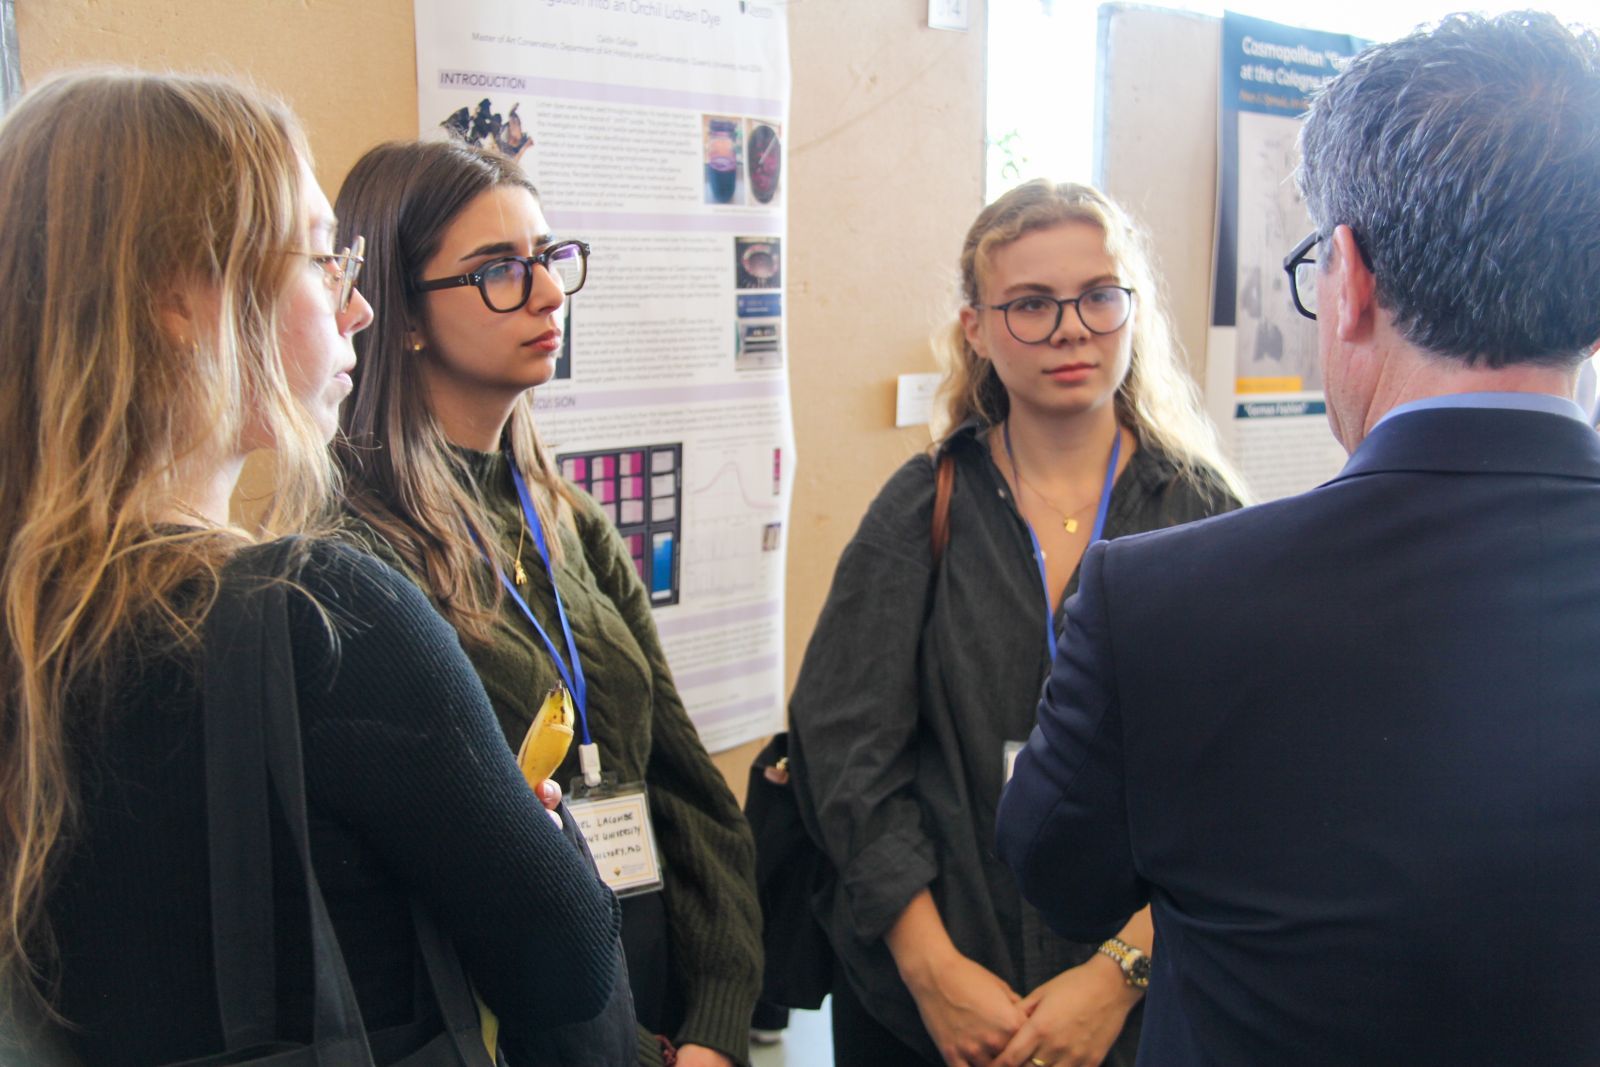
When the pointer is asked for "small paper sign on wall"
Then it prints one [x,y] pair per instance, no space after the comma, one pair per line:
[913,398]
[947,14]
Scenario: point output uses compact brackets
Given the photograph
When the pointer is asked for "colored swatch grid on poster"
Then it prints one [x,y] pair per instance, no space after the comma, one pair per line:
[641,491]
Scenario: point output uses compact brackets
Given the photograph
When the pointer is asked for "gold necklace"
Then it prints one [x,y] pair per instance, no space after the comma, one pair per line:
[517,573]
[1069,522]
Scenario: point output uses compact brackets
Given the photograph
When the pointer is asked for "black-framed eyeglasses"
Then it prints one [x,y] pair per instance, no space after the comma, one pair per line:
[1034,319]
[340,270]
[1301,266]
[506,283]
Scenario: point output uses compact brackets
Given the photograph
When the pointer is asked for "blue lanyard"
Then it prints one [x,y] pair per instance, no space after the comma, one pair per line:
[1095,535]
[573,677]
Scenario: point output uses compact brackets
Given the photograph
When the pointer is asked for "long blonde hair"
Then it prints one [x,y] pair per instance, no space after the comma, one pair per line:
[1157,401]
[402,478]
[119,193]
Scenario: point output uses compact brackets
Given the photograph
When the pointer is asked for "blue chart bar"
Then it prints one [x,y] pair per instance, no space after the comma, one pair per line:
[661,565]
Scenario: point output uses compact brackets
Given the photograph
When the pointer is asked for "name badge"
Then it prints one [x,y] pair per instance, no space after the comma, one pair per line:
[1010,761]
[615,823]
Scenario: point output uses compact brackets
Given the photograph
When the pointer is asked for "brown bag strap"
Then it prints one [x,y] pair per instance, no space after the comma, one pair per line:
[944,482]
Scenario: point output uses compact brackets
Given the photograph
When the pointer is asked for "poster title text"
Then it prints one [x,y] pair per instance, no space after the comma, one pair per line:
[652,8]
[1287,56]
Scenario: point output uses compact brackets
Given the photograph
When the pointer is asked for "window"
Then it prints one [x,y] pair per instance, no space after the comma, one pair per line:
[1043,56]
[10,66]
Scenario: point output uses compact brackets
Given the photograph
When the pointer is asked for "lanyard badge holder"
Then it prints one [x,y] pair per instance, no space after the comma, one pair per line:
[614,817]
[1014,748]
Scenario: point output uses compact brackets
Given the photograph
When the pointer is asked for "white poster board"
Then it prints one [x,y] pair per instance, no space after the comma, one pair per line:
[656,131]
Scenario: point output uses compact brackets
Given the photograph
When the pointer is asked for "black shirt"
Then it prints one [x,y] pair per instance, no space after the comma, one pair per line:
[912,685]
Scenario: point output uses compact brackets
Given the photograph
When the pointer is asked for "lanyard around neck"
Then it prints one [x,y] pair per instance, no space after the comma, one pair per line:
[1096,534]
[571,668]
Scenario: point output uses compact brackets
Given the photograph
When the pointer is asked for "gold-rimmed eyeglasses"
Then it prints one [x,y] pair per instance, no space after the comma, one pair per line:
[340,270]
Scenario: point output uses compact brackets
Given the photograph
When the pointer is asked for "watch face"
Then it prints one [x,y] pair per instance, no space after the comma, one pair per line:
[1141,970]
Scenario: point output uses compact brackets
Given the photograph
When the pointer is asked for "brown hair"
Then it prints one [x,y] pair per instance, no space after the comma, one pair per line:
[1157,400]
[119,191]
[401,476]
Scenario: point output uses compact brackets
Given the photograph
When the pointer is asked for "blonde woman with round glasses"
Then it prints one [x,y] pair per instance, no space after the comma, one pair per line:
[170,300]
[1068,419]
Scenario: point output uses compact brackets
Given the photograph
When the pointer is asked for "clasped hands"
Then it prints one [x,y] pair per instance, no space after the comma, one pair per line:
[977,1020]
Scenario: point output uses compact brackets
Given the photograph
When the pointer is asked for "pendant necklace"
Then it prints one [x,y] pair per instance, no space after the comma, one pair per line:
[517,573]
[1069,521]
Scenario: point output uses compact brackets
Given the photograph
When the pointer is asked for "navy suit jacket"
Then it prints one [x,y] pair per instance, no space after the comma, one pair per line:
[1347,745]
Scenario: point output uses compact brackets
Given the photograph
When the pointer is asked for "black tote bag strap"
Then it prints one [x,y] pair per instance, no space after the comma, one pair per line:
[457,1006]
[250,679]
[238,826]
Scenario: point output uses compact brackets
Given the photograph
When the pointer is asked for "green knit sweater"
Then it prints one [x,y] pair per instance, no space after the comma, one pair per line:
[643,732]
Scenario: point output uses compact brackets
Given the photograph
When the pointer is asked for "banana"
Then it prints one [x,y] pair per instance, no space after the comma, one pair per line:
[548,737]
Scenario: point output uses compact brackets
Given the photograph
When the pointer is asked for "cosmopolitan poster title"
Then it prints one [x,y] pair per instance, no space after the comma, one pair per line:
[1326,63]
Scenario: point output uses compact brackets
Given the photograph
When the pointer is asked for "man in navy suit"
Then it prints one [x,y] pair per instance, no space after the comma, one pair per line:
[1347,744]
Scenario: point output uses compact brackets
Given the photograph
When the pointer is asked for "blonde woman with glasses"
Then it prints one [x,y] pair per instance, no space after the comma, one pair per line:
[1068,419]
[170,300]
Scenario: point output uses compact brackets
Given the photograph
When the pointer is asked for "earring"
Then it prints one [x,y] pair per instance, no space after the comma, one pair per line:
[416,346]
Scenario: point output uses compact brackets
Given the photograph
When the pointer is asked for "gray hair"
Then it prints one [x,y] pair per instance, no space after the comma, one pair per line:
[1466,160]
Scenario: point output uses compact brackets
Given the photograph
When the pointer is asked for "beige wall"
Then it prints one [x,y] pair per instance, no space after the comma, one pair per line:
[885,176]
[1162,164]
[348,68]
[886,170]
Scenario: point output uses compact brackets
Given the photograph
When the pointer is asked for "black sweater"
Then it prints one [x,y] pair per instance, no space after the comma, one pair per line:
[410,788]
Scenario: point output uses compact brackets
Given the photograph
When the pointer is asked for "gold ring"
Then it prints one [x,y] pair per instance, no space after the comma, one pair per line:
[1037,1062]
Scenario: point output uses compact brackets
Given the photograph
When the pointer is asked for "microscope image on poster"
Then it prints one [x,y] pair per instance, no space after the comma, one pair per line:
[758,262]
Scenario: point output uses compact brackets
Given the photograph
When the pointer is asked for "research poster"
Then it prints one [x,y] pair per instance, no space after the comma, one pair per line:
[1273,410]
[657,132]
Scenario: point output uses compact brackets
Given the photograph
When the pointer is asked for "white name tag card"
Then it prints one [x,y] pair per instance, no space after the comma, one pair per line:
[619,833]
[1012,750]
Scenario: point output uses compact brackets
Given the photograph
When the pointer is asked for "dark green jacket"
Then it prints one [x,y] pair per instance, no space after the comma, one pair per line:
[639,723]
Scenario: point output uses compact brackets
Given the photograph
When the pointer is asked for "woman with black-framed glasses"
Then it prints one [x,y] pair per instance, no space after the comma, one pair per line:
[447,479]
[1068,419]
